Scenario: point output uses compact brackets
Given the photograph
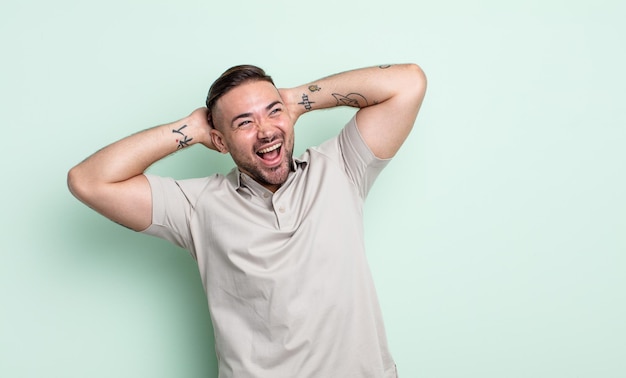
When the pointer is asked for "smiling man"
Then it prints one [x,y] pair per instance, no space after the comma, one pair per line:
[252,124]
[279,240]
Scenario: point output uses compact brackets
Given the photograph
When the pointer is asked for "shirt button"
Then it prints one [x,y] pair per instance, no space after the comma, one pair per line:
[266,195]
[281,209]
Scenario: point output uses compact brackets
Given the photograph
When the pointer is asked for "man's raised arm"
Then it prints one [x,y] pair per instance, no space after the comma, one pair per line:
[388,96]
[111,181]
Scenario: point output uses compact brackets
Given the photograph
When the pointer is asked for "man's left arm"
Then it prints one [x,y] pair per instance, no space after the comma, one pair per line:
[388,98]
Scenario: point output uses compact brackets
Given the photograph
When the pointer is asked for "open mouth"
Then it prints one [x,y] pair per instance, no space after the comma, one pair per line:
[270,154]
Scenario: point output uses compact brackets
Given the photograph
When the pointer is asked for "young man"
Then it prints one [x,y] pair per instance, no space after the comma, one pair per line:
[278,241]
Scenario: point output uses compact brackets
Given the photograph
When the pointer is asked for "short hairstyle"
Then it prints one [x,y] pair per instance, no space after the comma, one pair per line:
[230,79]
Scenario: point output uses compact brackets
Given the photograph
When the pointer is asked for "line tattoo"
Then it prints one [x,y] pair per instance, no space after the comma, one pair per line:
[305,102]
[184,142]
[351,99]
[314,88]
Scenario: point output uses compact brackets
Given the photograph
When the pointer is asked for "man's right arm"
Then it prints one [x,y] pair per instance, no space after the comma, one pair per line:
[111,181]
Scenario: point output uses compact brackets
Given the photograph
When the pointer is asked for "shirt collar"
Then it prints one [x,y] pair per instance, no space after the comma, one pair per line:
[239,179]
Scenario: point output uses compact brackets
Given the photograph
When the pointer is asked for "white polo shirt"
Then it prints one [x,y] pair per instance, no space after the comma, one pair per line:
[286,276]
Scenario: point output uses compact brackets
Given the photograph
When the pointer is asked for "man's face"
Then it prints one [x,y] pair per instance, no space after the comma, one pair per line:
[252,123]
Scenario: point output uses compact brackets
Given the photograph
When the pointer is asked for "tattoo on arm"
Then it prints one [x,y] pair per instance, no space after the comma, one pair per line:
[314,88]
[184,142]
[351,99]
[305,102]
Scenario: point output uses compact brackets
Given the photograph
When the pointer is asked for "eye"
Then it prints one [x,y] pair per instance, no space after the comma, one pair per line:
[276,111]
[244,123]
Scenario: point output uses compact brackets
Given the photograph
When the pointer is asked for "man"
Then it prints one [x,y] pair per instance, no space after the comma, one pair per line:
[278,241]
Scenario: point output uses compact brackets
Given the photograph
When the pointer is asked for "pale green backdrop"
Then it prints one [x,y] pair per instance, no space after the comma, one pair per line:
[496,236]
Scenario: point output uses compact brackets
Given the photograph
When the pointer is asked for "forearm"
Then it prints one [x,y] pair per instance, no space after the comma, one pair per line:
[388,98]
[358,88]
[132,155]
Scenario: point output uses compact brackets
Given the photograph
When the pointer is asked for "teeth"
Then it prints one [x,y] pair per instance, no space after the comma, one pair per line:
[268,149]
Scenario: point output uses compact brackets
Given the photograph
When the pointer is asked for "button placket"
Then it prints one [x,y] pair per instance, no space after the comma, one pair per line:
[280,210]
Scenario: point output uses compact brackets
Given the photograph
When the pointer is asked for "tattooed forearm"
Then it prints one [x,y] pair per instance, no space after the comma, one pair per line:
[314,88]
[184,142]
[351,99]
[305,102]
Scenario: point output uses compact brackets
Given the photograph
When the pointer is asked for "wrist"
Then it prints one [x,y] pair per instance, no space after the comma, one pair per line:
[193,129]
[293,100]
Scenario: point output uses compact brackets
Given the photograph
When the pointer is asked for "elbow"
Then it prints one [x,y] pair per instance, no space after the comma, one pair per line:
[76,183]
[412,85]
[73,181]
[417,79]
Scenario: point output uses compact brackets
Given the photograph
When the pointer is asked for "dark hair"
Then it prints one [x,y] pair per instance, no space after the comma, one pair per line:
[230,79]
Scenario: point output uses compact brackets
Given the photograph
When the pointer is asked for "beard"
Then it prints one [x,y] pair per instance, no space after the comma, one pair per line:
[269,177]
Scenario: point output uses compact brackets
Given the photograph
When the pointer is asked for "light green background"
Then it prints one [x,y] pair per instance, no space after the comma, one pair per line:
[496,236]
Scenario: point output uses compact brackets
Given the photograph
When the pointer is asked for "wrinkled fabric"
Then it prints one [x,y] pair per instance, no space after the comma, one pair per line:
[289,288]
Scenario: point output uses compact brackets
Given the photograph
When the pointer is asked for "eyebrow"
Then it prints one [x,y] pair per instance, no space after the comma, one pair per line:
[246,115]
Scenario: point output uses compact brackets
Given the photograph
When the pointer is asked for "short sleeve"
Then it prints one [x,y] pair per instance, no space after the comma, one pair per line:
[173,205]
[360,163]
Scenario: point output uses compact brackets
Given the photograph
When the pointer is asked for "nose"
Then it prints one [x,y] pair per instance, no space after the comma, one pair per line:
[264,129]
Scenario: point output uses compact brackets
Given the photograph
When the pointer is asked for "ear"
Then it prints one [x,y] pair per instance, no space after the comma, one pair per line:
[218,141]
